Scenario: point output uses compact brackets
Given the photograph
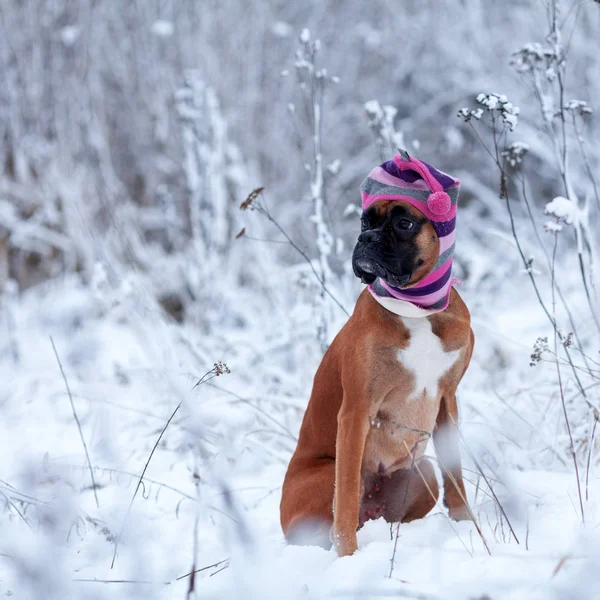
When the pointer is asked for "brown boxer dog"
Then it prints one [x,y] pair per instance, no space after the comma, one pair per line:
[384,387]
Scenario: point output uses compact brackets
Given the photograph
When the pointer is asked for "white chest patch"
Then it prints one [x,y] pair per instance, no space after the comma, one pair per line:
[425,357]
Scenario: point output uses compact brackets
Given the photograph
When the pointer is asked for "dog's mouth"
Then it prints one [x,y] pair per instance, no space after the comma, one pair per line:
[368,270]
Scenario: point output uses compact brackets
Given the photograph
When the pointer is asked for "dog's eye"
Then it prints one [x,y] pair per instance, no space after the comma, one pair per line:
[404,224]
[364,223]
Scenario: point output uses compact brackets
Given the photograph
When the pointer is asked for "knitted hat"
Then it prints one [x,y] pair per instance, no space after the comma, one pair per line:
[435,194]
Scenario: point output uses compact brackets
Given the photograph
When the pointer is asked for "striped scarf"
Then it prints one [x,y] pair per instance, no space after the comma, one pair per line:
[435,194]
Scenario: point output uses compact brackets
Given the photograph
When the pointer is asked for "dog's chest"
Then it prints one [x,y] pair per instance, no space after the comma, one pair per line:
[425,358]
[407,416]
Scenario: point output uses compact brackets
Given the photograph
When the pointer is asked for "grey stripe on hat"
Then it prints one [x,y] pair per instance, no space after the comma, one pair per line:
[375,188]
[444,256]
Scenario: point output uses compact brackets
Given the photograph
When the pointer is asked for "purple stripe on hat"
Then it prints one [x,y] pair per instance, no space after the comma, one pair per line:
[411,176]
[441,177]
[443,228]
[427,289]
[391,168]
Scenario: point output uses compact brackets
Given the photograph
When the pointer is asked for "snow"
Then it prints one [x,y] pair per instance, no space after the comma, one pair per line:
[334,167]
[128,369]
[552,227]
[562,208]
[162,28]
[69,35]
[121,180]
[494,102]
[352,209]
[282,29]
[372,107]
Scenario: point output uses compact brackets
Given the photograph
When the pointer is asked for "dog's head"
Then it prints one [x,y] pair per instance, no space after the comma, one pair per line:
[397,243]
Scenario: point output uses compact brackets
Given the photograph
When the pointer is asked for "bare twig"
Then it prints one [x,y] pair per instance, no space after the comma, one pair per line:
[225,560]
[205,377]
[140,482]
[87,454]
[247,401]
[193,572]
[14,507]
[384,593]
[412,466]
[466,504]
[587,470]
[219,570]
[481,472]
[262,209]
[504,178]
[147,582]
[560,383]
[435,499]
[136,581]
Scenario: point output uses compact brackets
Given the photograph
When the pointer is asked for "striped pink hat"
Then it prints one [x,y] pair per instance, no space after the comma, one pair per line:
[435,194]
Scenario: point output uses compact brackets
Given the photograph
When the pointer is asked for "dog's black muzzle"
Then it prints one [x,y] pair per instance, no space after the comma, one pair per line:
[368,263]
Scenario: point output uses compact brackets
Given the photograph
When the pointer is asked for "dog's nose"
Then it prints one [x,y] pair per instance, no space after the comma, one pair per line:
[367,237]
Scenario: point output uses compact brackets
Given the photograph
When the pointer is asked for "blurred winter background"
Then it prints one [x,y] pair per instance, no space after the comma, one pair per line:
[131,133]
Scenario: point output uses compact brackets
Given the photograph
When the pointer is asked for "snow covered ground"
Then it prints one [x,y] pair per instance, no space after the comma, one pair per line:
[143,456]
[219,466]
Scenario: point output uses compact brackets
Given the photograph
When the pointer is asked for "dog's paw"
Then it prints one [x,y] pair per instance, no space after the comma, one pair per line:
[460,513]
[345,544]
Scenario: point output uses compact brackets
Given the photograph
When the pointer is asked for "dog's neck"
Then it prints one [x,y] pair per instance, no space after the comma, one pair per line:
[411,303]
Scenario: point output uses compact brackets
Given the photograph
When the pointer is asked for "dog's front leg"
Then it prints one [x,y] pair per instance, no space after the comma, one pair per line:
[353,426]
[445,440]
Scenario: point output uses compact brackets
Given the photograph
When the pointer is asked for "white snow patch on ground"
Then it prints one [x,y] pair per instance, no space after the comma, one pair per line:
[128,369]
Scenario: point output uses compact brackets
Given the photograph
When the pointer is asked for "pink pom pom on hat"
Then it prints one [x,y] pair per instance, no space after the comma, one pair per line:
[439,203]
[435,194]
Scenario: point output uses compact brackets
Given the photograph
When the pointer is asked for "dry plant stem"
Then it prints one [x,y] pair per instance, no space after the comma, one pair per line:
[587,291]
[412,466]
[449,520]
[192,585]
[204,378]
[160,484]
[560,384]
[399,593]
[548,260]
[94,580]
[112,564]
[218,571]
[307,65]
[563,163]
[504,194]
[532,278]
[87,454]
[587,470]
[262,210]
[286,431]
[485,478]
[136,581]
[455,484]
[132,475]
[217,564]
[14,507]
[586,161]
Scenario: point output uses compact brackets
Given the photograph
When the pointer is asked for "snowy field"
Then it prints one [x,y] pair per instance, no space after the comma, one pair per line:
[158,344]
[128,369]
